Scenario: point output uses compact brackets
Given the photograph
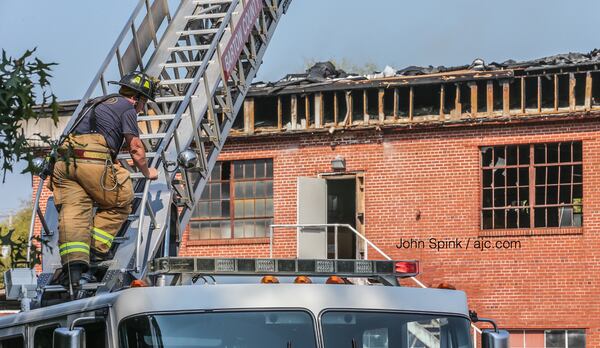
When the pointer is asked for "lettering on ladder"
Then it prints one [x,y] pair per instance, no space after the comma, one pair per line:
[240,35]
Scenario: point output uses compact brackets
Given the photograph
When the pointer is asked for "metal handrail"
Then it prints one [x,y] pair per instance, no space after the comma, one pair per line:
[300,226]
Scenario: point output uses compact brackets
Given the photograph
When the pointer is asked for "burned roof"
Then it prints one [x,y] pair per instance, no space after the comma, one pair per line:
[325,75]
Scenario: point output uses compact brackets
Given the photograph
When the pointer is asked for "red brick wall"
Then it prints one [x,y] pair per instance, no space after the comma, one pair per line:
[550,282]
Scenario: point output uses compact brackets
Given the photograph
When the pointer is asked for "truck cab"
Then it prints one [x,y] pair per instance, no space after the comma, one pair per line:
[307,309]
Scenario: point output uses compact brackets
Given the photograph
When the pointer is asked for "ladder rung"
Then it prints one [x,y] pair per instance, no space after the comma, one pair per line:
[189,48]
[158,117]
[122,239]
[176,81]
[136,176]
[183,64]
[206,16]
[198,32]
[211,2]
[170,99]
[152,136]
[126,156]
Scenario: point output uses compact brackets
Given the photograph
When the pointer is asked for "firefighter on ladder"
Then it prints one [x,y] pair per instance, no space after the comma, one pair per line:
[91,176]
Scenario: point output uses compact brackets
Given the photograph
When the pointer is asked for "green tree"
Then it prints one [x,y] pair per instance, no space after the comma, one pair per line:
[14,240]
[23,83]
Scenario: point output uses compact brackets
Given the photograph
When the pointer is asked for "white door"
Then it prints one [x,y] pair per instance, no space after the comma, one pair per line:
[312,209]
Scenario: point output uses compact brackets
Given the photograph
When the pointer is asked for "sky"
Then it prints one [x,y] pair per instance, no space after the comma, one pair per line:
[77,35]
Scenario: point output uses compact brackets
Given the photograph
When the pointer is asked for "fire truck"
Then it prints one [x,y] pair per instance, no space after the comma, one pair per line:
[206,53]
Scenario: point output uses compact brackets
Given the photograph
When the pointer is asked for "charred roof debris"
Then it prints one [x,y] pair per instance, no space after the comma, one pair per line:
[324,97]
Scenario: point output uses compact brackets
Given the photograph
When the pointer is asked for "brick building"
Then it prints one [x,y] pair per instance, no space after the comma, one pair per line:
[486,175]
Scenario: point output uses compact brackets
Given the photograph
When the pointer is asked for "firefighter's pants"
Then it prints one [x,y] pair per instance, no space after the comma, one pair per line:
[77,188]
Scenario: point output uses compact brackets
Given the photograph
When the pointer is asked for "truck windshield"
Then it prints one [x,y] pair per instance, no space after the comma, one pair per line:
[393,330]
[219,330]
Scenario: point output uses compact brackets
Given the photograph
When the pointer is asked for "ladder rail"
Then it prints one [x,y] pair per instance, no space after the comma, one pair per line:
[181,110]
[186,213]
[183,105]
[113,53]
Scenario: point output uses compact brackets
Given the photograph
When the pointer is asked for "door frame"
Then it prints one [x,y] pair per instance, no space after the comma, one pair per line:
[360,218]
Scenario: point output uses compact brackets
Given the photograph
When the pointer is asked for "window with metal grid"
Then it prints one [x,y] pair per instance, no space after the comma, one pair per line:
[532,186]
[237,201]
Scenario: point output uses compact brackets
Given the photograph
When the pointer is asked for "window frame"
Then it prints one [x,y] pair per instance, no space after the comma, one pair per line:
[531,186]
[566,333]
[232,199]
[21,336]
[314,319]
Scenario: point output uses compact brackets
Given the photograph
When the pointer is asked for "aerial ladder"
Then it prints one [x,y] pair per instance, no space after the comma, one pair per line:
[206,54]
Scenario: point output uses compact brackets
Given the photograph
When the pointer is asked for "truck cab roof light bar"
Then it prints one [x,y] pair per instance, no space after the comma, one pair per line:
[283,267]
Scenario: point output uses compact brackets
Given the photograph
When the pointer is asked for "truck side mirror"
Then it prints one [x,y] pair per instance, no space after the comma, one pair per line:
[65,338]
[494,339]
[491,338]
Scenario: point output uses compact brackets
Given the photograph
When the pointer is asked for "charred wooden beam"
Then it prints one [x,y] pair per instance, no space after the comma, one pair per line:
[396,103]
[555,92]
[279,113]
[349,106]
[505,98]
[588,91]
[572,83]
[490,98]
[523,95]
[442,98]
[381,100]
[473,87]
[365,107]
[294,110]
[539,94]
[249,116]
[319,110]
[336,109]
[457,103]
[411,99]
[307,111]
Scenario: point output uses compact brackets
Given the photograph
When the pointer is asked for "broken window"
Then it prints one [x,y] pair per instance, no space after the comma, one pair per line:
[342,104]
[558,184]
[449,98]
[465,98]
[580,89]
[237,201]
[265,112]
[547,84]
[563,90]
[309,104]
[328,107]
[531,93]
[388,103]
[555,172]
[286,111]
[403,101]
[373,103]
[358,112]
[238,124]
[481,97]
[498,96]
[515,94]
[426,100]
